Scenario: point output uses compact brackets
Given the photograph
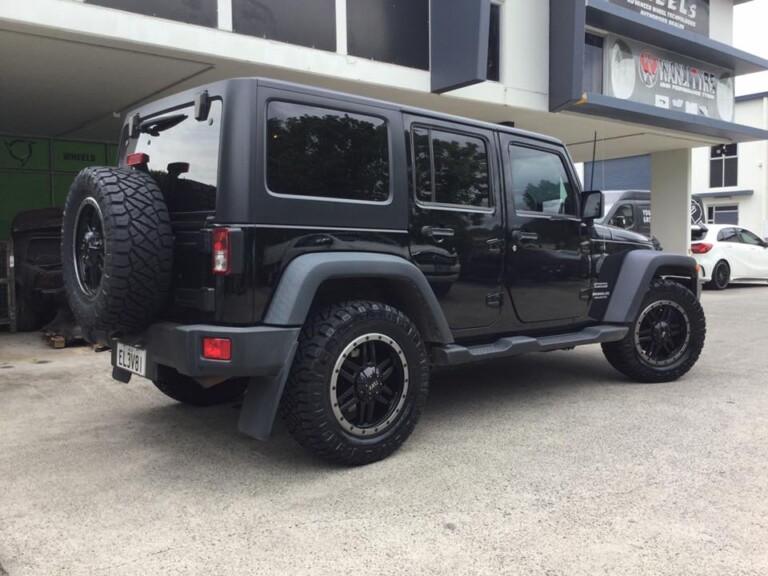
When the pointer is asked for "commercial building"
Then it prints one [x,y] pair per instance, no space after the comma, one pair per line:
[648,77]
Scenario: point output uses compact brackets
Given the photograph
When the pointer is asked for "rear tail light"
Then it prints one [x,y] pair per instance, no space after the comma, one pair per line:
[222,251]
[138,159]
[701,247]
[217,348]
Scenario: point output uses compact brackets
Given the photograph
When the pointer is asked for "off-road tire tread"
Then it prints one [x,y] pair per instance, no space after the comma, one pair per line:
[139,251]
[303,406]
[623,356]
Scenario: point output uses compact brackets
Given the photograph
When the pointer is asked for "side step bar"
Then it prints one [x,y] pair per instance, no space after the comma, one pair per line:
[453,354]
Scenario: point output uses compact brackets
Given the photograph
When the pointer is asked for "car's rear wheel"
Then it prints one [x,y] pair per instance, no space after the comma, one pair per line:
[188,391]
[358,382]
[665,339]
[721,276]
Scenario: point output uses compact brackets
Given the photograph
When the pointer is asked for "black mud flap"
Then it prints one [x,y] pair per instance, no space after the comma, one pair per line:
[262,399]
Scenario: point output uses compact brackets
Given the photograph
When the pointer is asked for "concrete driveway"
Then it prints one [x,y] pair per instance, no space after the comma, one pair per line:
[549,464]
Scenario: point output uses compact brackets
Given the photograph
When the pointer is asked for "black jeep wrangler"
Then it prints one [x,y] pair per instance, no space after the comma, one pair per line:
[321,252]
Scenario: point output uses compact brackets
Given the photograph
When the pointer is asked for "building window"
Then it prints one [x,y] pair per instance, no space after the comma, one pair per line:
[321,152]
[723,166]
[451,168]
[723,214]
[494,44]
[200,12]
[310,23]
[394,31]
[593,63]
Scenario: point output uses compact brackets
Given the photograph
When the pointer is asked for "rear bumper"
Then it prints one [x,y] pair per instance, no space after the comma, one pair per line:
[257,351]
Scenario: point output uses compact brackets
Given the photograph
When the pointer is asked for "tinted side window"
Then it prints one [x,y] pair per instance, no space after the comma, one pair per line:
[624,217]
[540,182]
[728,235]
[748,238]
[450,168]
[321,152]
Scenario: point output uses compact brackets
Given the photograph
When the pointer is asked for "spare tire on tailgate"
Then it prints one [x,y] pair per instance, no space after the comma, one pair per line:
[116,251]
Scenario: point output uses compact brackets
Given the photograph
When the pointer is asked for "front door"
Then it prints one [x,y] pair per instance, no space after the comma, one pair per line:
[547,269]
[456,230]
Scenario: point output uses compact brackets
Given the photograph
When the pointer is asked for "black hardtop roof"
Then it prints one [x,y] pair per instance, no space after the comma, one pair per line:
[223,86]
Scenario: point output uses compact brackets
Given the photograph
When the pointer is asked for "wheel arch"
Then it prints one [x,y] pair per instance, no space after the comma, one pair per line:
[315,279]
[638,269]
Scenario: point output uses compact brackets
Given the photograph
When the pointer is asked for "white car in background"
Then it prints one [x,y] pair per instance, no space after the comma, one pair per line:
[728,253]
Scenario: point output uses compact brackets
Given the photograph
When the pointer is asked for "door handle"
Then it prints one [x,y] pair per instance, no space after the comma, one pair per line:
[430,232]
[495,245]
[522,236]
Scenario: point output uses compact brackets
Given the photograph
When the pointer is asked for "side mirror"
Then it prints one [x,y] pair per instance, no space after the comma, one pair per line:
[591,205]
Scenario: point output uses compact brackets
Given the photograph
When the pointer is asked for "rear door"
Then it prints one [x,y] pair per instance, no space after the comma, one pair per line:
[456,231]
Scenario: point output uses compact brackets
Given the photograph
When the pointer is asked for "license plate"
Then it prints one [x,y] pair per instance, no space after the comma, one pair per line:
[132,359]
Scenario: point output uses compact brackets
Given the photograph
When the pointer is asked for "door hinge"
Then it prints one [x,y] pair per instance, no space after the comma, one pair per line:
[494,300]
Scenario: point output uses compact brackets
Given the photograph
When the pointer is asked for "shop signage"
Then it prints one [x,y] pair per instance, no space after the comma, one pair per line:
[74,156]
[690,15]
[18,153]
[648,75]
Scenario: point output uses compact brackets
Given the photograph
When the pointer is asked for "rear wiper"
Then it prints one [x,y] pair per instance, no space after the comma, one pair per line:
[156,125]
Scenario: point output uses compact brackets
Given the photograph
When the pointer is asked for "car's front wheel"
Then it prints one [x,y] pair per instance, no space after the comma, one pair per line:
[721,276]
[358,382]
[665,339]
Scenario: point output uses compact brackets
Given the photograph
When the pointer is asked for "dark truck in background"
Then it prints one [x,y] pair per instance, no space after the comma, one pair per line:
[39,286]
[322,252]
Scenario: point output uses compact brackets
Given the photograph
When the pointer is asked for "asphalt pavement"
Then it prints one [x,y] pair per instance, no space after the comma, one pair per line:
[549,464]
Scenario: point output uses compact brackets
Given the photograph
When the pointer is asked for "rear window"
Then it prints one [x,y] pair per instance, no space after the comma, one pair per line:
[698,233]
[183,156]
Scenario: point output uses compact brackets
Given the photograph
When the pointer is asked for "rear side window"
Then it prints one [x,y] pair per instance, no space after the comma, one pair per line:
[183,156]
[326,153]
[728,235]
[450,168]
[540,182]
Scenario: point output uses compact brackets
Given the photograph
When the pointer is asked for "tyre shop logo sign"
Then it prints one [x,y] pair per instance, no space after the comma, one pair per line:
[671,74]
[649,68]
[20,150]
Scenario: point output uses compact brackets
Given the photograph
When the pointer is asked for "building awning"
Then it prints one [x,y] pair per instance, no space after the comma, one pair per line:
[724,193]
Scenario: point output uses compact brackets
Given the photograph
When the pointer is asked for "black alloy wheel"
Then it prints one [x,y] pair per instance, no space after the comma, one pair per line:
[89,246]
[358,382]
[662,333]
[721,275]
[369,384]
[666,337]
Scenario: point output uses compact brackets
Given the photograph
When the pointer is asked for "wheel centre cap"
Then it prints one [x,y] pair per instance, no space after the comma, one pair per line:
[661,331]
[368,383]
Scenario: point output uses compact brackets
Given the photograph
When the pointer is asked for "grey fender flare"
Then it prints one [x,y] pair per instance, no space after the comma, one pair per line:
[637,270]
[304,275]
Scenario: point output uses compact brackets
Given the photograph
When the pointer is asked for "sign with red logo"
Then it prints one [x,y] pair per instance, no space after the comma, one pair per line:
[692,15]
[650,75]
